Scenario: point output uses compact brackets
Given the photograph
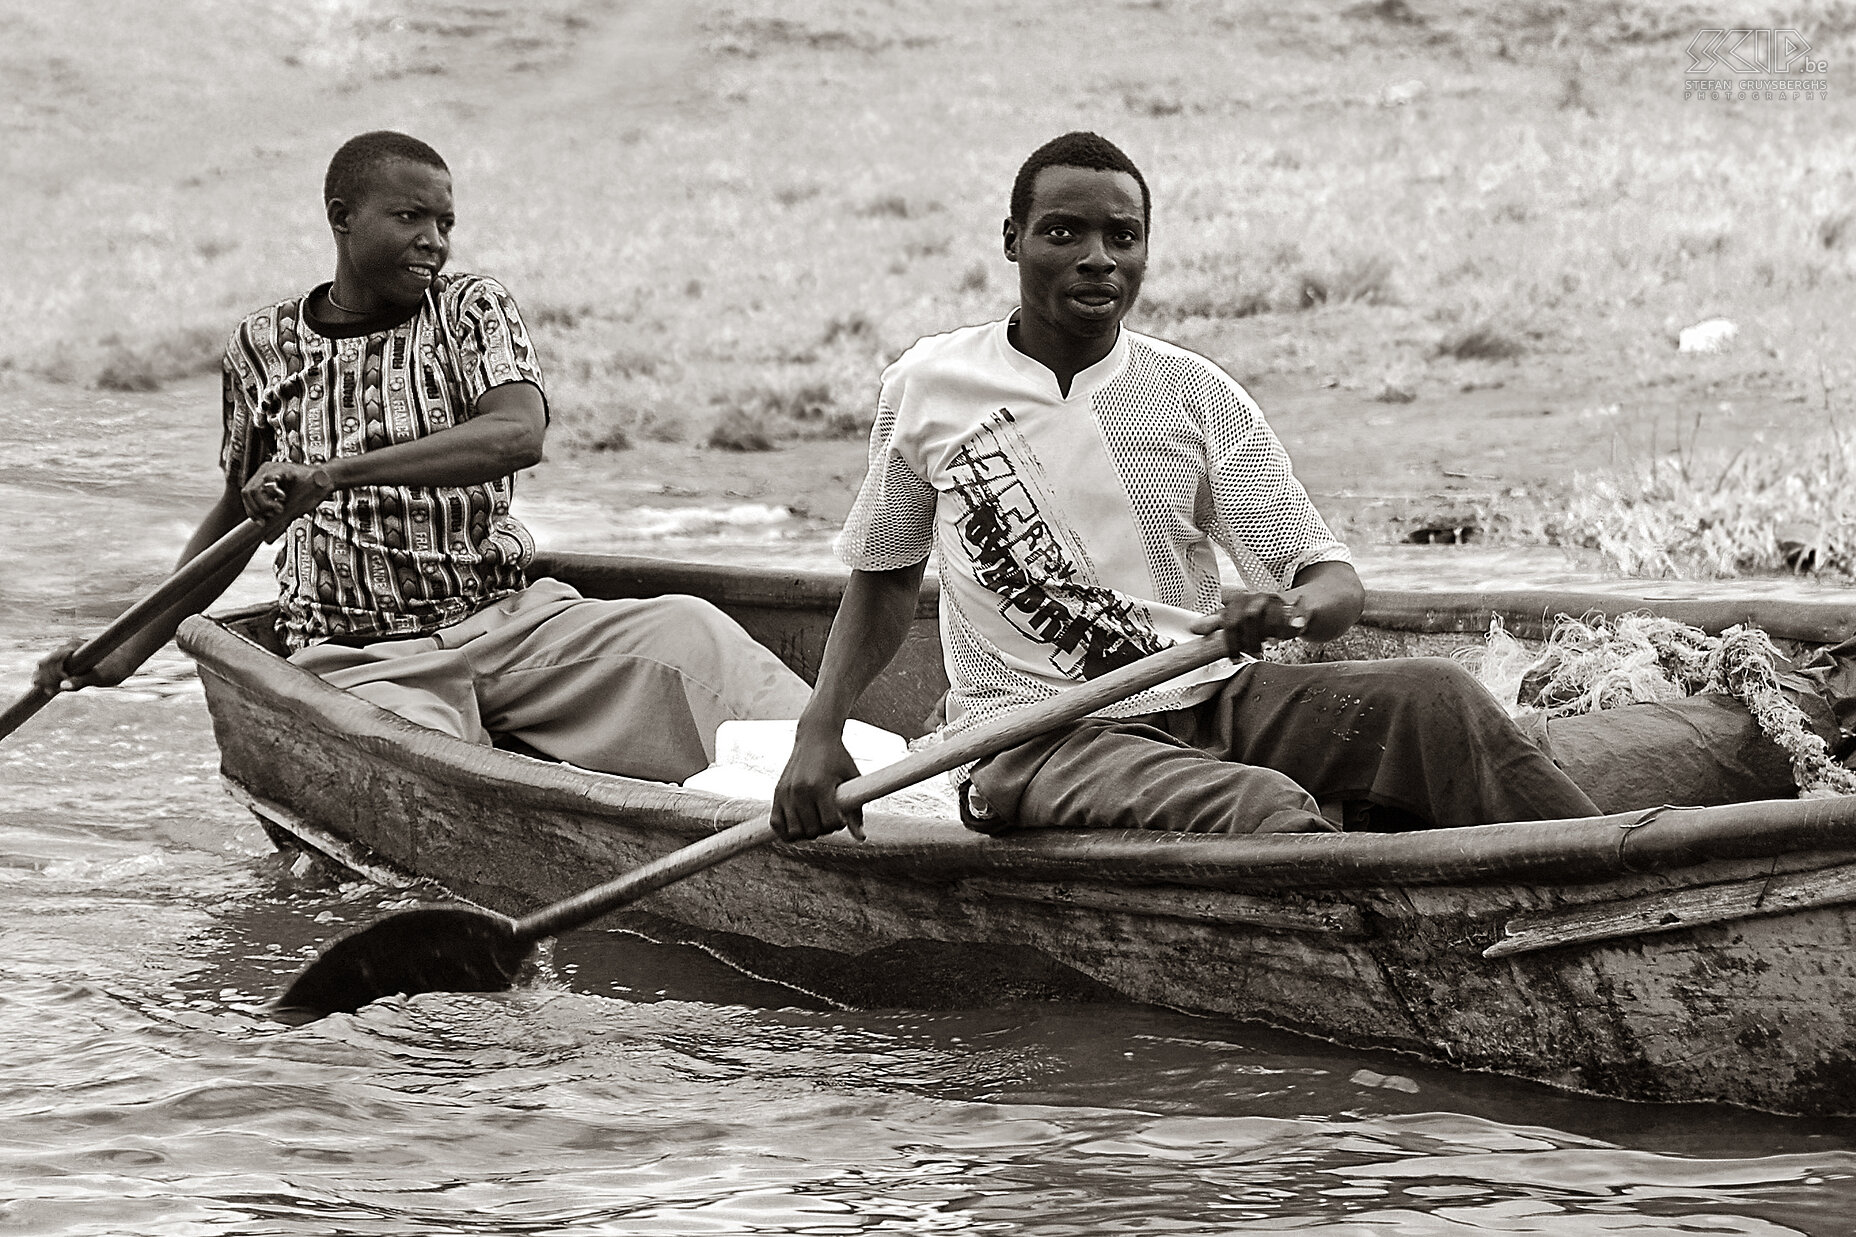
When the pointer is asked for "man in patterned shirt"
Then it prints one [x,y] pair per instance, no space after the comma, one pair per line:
[1070,478]
[390,409]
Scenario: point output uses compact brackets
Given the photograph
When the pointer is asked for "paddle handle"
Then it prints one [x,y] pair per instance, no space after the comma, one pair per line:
[1011,729]
[981,741]
[235,546]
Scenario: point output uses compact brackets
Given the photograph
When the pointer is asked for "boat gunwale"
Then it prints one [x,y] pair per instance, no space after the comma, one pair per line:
[1527,612]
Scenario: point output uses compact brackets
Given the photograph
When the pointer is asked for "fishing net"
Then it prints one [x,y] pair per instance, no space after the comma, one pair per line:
[1591,664]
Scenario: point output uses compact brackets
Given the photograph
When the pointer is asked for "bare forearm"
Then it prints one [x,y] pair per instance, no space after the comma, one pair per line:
[149,640]
[226,514]
[872,622]
[492,444]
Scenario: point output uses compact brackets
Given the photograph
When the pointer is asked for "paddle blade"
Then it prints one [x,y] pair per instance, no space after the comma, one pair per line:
[426,949]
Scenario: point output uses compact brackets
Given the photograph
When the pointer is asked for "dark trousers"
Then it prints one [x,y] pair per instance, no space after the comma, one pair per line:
[1416,740]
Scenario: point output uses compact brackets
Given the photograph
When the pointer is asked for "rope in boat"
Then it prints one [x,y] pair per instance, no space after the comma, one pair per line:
[1589,664]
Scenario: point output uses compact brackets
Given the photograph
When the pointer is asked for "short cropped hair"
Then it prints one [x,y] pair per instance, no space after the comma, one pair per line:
[360,155]
[1077,149]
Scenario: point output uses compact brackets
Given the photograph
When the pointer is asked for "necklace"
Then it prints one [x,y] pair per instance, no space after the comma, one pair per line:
[330,294]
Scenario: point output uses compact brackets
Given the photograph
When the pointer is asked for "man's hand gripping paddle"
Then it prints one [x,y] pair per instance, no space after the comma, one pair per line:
[461,949]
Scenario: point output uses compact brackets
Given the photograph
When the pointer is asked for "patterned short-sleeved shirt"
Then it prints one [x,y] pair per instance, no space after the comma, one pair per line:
[1073,534]
[379,561]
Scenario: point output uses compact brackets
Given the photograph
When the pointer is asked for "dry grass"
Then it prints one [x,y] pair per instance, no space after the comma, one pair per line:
[1718,515]
[708,211]
[1670,507]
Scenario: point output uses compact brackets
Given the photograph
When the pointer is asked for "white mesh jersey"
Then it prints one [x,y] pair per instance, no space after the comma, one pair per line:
[1074,534]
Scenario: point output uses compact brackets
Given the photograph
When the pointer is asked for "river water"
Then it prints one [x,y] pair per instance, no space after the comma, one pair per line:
[646,1089]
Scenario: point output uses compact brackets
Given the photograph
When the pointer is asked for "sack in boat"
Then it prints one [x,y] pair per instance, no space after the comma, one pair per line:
[750,754]
[1832,672]
[1644,710]
[1697,752]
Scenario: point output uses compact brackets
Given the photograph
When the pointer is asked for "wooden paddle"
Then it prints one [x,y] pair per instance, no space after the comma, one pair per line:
[454,948]
[235,547]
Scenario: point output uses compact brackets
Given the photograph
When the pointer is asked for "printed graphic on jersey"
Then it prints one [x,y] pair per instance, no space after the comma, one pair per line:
[1039,572]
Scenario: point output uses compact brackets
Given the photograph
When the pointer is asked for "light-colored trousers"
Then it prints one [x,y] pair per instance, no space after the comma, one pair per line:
[634,687]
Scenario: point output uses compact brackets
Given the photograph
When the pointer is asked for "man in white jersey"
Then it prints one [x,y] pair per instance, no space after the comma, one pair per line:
[392,406]
[1070,479]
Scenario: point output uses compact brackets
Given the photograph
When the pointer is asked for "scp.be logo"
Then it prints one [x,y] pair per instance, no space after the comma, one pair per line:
[1776,52]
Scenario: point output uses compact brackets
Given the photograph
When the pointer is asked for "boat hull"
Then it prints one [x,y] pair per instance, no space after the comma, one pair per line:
[1700,954]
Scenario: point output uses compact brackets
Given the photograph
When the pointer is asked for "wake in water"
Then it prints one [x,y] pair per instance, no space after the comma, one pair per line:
[563,1112]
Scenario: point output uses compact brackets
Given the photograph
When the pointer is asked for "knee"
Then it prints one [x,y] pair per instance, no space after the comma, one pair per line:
[1446,678]
[1441,670]
[1431,693]
[1456,701]
[694,622]
[681,608]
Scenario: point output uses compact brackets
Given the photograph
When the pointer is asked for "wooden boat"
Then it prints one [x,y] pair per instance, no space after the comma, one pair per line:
[1674,955]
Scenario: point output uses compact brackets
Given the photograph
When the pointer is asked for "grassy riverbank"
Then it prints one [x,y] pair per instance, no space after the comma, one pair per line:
[722,221]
